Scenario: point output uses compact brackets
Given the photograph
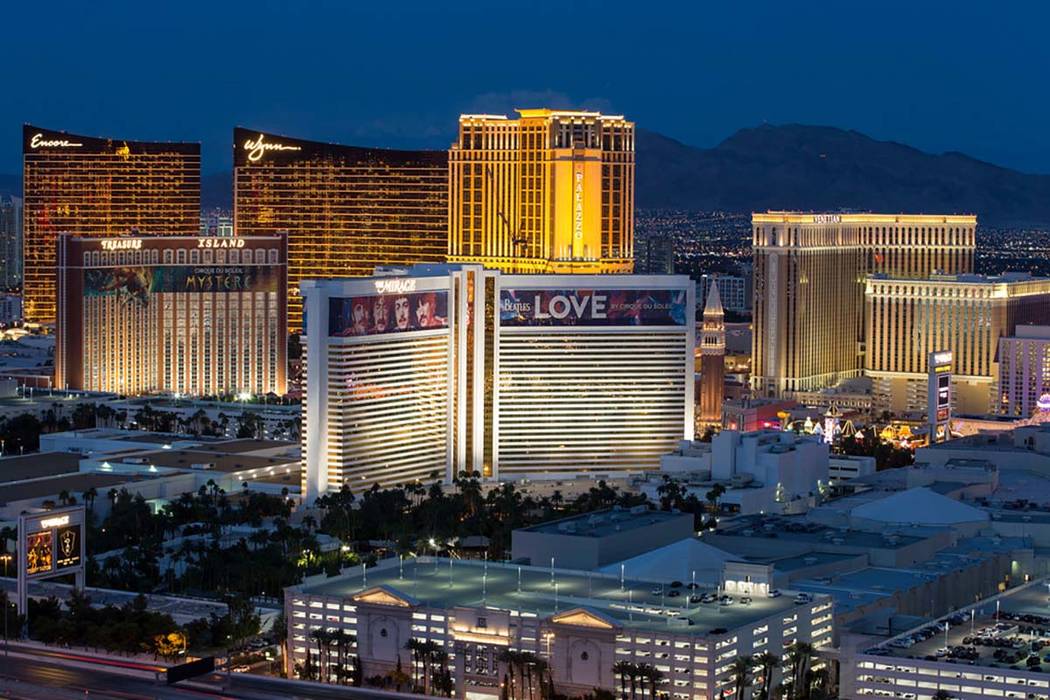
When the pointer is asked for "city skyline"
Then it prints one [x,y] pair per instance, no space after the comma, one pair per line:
[412,101]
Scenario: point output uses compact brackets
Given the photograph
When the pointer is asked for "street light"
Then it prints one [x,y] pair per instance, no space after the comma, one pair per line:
[6,558]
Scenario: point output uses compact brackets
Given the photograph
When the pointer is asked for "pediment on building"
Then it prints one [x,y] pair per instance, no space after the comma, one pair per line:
[585,617]
[384,595]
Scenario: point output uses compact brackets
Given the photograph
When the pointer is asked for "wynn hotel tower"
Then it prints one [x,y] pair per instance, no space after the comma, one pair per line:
[99,188]
[346,210]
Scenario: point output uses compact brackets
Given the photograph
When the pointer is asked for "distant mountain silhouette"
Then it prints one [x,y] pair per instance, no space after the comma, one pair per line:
[794,166]
[823,168]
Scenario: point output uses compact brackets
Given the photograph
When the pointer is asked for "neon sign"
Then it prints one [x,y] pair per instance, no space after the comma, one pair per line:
[121,244]
[220,242]
[257,148]
[395,286]
[577,206]
[38,141]
[49,523]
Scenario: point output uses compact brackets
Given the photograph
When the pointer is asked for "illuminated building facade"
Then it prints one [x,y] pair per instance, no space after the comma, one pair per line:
[96,188]
[452,368]
[712,349]
[809,271]
[549,192]
[346,210]
[1024,372]
[202,316]
[907,319]
[10,242]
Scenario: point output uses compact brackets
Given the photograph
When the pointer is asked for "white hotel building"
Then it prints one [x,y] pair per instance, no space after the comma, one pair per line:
[564,375]
[580,623]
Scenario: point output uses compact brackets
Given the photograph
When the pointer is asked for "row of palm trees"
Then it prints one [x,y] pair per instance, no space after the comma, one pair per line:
[533,675]
[344,668]
[429,666]
[801,681]
[637,676]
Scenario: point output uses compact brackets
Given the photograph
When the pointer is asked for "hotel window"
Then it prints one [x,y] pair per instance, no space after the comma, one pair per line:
[167,257]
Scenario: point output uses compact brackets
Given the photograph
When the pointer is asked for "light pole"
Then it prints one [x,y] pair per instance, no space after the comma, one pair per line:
[6,559]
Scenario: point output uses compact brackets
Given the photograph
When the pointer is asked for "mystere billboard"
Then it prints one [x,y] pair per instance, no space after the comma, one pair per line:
[592,307]
[377,314]
[136,284]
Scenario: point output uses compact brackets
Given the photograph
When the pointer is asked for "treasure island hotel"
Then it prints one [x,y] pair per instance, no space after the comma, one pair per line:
[346,210]
[99,188]
[810,272]
[203,316]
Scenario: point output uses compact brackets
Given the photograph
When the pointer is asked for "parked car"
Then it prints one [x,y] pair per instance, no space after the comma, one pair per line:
[774,593]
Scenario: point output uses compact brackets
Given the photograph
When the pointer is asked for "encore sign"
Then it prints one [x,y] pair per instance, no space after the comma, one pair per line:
[38,141]
[257,148]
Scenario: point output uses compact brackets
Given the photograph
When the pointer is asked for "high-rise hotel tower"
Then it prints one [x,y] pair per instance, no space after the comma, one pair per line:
[99,188]
[346,210]
[809,276]
[549,192]
[712,349]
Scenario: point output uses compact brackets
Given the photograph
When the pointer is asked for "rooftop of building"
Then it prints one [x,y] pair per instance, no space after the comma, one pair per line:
[75,484]
[38,465]
[799,530]
[999,632]
[213,460]
[1007,278]
[604,523]
[445,583]
[802,217]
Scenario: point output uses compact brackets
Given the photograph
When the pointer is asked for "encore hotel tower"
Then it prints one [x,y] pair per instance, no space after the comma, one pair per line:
[346,210]
[550,192]
[99,188]
[810,271]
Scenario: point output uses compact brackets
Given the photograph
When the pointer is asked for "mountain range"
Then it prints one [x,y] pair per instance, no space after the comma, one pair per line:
[817,168]
[794,166]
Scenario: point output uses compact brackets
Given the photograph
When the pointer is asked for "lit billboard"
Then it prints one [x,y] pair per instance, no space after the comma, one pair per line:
[52,543]
[592,307]
[394,312]
[136,284]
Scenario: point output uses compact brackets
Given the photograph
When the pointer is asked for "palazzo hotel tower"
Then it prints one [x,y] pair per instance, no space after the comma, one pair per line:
[99,188]
[809,283]
[549,192]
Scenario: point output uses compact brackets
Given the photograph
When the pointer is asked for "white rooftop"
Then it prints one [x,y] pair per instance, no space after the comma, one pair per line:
[919,506]
[675,562]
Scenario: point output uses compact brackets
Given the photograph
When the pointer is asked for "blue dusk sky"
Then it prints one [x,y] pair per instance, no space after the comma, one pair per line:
[966,76]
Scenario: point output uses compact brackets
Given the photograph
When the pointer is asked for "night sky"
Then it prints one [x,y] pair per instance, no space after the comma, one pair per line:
[964,76]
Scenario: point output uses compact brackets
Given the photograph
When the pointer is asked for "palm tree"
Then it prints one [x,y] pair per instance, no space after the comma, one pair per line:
[768,663]
[622,668]
[416,647]
[742,667]
[651,675]
[799,656]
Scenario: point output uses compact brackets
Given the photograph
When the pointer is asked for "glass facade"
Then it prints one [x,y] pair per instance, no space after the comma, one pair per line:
[345,209]
[97,187]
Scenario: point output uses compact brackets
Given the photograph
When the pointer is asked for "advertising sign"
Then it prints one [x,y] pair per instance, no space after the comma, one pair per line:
[39,553]
[67,547]
[394,312]
[592,307]
[51,544]
[137,284]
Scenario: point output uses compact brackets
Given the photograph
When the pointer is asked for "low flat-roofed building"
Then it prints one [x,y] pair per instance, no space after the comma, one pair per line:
[592,540]
[581,623]
[988,649]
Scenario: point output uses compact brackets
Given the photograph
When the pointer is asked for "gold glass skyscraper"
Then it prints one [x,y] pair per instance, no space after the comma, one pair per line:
[549,192]
[809,272]
[345,209]
[97,187]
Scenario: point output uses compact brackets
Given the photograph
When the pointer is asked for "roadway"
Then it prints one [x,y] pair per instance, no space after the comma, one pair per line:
[53,674]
